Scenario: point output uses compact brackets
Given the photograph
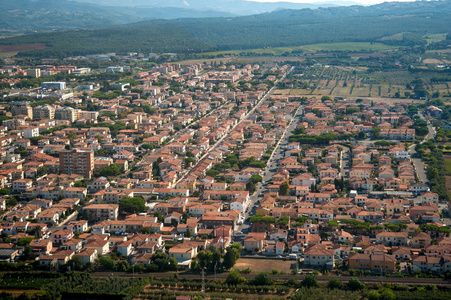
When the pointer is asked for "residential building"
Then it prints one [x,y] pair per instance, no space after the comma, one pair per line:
[77,161]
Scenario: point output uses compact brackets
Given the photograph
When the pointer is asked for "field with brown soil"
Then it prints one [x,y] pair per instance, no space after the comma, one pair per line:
[265,265]
[11,50]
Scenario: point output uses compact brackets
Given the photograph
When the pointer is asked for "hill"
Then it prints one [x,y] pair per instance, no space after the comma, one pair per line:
[31,16]
[236,7]
[276,29]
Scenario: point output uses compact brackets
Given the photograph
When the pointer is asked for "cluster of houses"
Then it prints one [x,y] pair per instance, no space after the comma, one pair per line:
[191,156]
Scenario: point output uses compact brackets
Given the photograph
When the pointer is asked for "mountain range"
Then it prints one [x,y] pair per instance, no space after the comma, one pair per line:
[280,28]
[30,16]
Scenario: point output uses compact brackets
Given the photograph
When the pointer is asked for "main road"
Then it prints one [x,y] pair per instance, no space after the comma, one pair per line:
[270,170]
[416,160]
[215,145]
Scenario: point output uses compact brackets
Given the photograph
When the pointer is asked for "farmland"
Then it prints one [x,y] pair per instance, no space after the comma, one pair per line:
[257,265]
[11,50]
[356,82]
[351,47]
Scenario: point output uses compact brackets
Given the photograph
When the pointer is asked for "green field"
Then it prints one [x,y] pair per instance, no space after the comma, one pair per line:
[356,82]
[357,46]
[433,38]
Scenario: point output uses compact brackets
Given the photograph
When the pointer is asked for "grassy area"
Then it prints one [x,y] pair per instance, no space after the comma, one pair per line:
[433,38]
[395,37]
[447,159]
[357,46]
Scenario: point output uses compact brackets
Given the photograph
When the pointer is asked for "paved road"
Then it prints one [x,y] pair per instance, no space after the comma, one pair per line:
[264,98]
[345,163]
[418,162]
[271,169]
[432,132]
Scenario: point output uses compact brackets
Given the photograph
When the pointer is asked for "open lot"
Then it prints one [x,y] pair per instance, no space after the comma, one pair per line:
[265,265]
[10,50]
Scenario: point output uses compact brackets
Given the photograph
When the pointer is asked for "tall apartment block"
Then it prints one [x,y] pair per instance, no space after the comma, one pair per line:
[25,110]
[77,161]
[44,112]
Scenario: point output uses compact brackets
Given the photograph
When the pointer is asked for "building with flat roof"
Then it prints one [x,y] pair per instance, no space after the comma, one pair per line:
[77,161]
[53,85]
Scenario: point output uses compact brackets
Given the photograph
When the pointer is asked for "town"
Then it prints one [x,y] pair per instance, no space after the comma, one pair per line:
[158,170]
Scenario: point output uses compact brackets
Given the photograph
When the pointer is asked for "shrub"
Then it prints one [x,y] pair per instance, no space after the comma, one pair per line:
[354,284]
[310,281]
[335,283]
[261,279]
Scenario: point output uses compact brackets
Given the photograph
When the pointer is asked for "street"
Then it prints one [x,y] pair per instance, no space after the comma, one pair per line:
[270,170]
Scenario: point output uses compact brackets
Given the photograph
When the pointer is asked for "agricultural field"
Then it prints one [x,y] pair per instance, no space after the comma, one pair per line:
[11,50]
[356,82]
[257,265]
[356,46]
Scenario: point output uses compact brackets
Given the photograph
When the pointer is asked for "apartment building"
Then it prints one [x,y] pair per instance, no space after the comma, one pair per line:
[44,112]
[77,161]
[101,212]
[66,113]
[24,110]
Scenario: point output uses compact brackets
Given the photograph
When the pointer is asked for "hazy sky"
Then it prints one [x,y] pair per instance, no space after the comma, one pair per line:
[368,2]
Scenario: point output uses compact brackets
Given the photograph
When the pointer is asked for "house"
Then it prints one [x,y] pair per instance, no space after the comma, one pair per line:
[60,257]
[420,240]
[39,247]
[101,212]
[392,238]
[102,246]
[183,254]
[436,264]
[48,216]
[254,241]
[78,226]
[343,236]
[88,256]
[374,262]
[100,183]
[59,237]
[73,244]
[319,256]
[125,248]
[173,217]
[278,235]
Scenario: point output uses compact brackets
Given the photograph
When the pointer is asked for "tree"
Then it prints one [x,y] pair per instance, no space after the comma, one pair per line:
[310,281]
[235,278]
[232,255]
[255,179]
[5,192]
[173,264]
[161,260]
[132,205]
[261,279]
[284,189]
[354,284]
[147,146]
[106,262]
[111,170]
[75,263]
[72,136]
[335,283]
[212,173]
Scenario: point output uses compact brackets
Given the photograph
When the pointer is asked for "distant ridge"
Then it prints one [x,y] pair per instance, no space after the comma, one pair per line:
[276,29]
